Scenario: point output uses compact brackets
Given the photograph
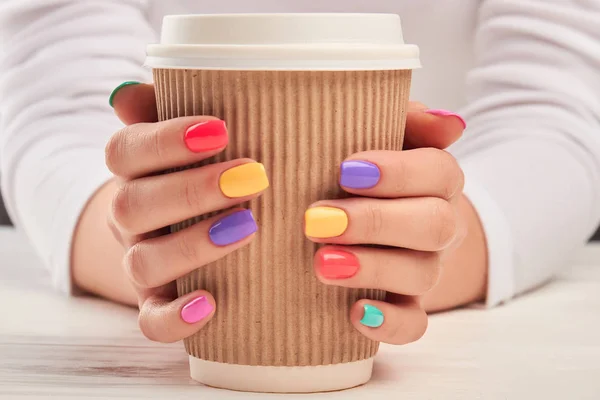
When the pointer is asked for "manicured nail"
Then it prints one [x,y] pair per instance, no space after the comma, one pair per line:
[206,136]
[359,174]
[325,222]
[372,317]
[121,86]
[445,113]
[244,180]
[196,310]
[232,228]
[337,264]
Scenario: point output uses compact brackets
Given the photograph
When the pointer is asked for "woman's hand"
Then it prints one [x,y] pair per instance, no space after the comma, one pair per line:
[395,231]
[149,200]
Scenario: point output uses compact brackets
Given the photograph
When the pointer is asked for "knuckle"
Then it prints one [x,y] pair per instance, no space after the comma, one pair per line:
[155,141]
[112,153]
[192,195]
[399,171]
[123,204]
[444,224]
[451,173]
[115,151]
[420,324]
[373,220]
[135,266]
[460,179]
[378,278]
[431,267]
[187,249]
[462,231]
[146,326]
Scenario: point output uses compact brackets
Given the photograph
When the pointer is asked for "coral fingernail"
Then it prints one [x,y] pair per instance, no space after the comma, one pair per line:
[232,228]
[446,113]
[337,264]
[357,174]
[206,136]
[372,317]
[111,99]
[196,310]
[244,180]
[325,222]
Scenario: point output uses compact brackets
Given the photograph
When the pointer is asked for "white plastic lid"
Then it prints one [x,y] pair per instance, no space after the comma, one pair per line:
[288,42]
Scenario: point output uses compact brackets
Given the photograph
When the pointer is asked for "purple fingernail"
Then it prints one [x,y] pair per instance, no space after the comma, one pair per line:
[359,174]
[446,113]
[232,228]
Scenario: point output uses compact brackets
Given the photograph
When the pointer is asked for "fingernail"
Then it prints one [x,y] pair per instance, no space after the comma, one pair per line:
[121,86]
[244,180]
[206,136]
[336,264]
[359,174]
[445,113]
[325,222]
[372,317]
[232,228]
[196,310]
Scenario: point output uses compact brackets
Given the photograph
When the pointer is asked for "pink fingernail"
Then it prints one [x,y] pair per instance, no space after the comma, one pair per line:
[445,113]
[196,310]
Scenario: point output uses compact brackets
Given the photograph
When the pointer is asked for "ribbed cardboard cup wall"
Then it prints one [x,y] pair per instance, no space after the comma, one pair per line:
[271,309]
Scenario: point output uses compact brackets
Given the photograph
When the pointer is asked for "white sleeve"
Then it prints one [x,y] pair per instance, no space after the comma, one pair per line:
[60,60]
[531,153]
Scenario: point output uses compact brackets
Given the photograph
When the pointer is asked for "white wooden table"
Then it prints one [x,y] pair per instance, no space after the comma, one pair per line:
[545,345]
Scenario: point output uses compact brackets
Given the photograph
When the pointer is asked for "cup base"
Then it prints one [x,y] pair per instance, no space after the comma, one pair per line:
[264,379]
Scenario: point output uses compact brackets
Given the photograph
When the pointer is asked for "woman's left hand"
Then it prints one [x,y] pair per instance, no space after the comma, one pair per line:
[406,205]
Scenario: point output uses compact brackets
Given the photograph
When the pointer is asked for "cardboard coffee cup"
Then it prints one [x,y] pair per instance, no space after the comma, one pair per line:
[299,93]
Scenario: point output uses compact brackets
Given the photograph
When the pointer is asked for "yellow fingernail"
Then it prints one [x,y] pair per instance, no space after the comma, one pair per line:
[244,180]
[325,222]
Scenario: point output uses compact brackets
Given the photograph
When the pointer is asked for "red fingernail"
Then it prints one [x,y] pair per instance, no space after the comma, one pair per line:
[445,113]
[206,136]
[336,264]
[196,310]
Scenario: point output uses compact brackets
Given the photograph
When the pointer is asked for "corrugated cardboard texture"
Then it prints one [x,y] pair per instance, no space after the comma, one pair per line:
[271,309]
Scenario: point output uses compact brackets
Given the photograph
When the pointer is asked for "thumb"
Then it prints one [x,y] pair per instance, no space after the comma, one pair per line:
[134,102]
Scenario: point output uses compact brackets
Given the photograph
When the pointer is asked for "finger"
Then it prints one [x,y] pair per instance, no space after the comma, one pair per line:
[134,103]
[432,128]
[403,271]
[389,323]
[165,320]
[146,204]
[157,261]
[142,149]
[392,174]
[426,223]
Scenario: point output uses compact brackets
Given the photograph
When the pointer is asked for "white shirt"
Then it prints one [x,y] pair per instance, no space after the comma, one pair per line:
[525,74]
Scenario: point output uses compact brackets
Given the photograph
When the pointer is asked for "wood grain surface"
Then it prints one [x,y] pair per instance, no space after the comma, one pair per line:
[544,345]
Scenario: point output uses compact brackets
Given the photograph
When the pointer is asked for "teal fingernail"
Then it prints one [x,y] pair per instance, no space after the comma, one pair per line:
[121,86]
[373,317]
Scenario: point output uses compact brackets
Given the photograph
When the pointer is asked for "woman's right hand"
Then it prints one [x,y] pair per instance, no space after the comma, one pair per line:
[148,201]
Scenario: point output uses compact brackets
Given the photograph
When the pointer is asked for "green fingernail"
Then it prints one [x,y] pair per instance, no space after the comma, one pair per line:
[121,86]
[373,317]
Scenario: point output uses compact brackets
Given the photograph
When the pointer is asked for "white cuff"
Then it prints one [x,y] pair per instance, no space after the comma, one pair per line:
[501,285]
